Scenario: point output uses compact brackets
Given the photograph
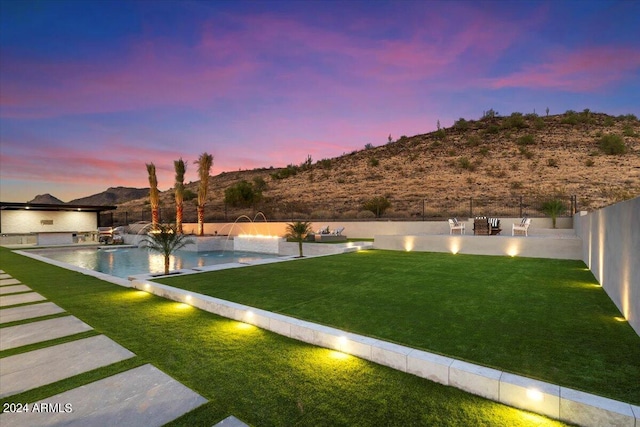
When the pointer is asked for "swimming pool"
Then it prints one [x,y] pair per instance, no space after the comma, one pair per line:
[125,262]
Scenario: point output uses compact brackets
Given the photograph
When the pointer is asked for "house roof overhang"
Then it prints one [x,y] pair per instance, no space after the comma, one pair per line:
[52,207]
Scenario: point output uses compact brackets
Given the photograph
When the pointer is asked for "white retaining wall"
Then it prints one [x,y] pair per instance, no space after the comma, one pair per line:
[552,400]
[611,250]
[567,247]
[35,221]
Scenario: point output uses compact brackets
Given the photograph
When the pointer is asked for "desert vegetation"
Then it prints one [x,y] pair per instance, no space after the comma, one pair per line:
[591,155]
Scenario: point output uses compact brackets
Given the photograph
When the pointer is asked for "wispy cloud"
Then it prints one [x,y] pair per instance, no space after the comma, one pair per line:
[586,70]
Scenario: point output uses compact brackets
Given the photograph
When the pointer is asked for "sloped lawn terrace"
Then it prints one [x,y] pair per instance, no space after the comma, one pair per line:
[258,376]
[542,318]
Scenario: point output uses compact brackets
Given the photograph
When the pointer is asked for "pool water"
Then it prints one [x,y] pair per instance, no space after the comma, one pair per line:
[124,262]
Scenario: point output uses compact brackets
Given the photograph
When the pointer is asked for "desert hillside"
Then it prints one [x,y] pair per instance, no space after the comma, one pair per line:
[593,156]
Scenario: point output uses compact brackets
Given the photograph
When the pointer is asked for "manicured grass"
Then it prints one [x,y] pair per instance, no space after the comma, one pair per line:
[542,318]
[260,377]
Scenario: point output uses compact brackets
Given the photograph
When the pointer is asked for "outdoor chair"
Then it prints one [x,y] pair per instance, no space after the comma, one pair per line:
[455,225]
[481,226]
[523,227]
[338,231]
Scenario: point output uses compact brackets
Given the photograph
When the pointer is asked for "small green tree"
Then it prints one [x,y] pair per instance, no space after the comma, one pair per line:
[297,231]
[553,208]
[378,205]
[165,239]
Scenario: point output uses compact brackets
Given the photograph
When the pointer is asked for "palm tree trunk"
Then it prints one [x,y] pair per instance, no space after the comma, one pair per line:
[179,215]
[155,216]
[200,220]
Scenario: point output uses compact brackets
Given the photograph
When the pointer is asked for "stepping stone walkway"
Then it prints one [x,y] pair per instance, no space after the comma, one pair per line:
[143,396]
[30,333]
[13,289]
[29,312]
[8,300]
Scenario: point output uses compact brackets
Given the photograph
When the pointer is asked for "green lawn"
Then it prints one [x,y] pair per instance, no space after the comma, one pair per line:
[260,377]
[542,318]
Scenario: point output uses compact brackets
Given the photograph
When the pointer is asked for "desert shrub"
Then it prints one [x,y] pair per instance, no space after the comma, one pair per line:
[439,134]
[526,140]
[552,163]
[492,129]
[570,118]
[609,121]
[188,195]
[368,146]
[451,152]
[516,185]
[396,214]
[242,194]
[627,130]
[612,144]
[461,124]
[515,121]
[465,163]
[531,116]
[436,144]
[589,162]
[514,167]
[351,214]
[525,152]
[321,214]
[365,215]
[539,123]
[374,162]
[484,151]
[489,114]
[377,205]
[324,163]
[473,141]
[290,170]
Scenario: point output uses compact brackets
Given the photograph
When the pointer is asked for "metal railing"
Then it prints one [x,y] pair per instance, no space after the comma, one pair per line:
[426,209]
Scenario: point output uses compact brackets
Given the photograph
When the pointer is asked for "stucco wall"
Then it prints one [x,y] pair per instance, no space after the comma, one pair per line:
[369,229]
[34,221]
[611,250]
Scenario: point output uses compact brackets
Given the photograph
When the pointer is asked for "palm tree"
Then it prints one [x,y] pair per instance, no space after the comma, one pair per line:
[165,240]
[204,162]
[553,208]
[180,168]
[297,231]
[154,196]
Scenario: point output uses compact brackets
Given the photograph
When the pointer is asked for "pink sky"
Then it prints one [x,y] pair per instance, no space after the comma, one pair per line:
[105,87]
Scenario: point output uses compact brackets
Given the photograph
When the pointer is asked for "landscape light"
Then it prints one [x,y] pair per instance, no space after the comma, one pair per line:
[535,395]
[620,319]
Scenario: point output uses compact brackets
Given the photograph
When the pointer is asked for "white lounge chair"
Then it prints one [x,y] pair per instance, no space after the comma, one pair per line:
[523,227]
[338,231]
[455,225]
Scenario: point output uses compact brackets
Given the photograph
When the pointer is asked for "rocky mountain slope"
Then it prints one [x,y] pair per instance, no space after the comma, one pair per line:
[113,196]
[594,156]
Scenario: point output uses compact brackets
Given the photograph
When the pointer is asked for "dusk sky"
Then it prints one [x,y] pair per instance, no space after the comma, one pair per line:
[90,91]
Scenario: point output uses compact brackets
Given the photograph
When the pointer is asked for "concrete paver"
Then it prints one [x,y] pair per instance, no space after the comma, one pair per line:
[8,300]
[5,276]
[30,333]
[14,289]
[143,396]
[5,282]
[25,371]
[231,421]
[29,312]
